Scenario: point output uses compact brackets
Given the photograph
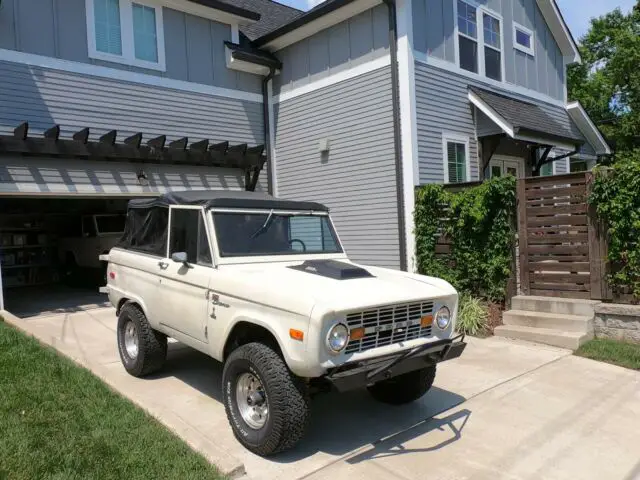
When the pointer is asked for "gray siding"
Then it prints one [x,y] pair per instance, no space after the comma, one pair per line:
[434,34]
[194,46]
[357,178]
[45,97]
[360,39]
[442,105]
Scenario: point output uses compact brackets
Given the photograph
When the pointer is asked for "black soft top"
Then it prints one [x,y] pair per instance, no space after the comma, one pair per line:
[225,199]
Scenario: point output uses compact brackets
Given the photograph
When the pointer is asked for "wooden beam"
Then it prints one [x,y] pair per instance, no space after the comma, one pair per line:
[158,142]
[200,146]
[134,140]
[21,131]
[82,136]
[109,138]
[52,133]
[180,144]
[219,148]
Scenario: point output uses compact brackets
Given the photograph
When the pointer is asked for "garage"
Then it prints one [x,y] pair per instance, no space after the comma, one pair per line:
[63,203]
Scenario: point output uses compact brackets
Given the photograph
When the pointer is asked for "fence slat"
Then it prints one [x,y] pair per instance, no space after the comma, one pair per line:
[522,237]
[561,287]
[560,277]
[550,239]
[559,258]
[560,294]
[558,249]
[559,192]
[557,210]
[559,267]
[574,220]
[569,229]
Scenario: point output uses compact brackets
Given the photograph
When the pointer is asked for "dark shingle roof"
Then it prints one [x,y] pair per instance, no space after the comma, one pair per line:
[526,117]
[273,15]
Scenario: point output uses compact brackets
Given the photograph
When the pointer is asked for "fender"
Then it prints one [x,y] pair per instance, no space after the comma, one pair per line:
[116,295]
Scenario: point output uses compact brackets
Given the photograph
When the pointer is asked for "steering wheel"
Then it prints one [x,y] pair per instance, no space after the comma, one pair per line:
[304,247]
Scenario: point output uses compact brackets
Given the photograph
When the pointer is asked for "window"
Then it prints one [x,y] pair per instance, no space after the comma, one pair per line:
[110,223]
[88,227]
[523,39]
[188,234]
[455,159]
[479,50]
[578,164]
[546,170]
[126,31]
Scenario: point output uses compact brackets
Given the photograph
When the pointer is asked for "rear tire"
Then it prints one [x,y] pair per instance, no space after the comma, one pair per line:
[404,388]
[285,396]
[142,349]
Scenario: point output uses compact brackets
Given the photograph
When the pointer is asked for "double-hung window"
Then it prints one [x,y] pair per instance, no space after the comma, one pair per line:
[479,47]
[456,158]
[126,31]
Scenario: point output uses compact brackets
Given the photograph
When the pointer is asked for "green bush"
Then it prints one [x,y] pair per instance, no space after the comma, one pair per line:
[616,195]
[473,316]
[480,224]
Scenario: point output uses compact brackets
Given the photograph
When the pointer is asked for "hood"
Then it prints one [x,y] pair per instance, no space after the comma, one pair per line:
[304,290]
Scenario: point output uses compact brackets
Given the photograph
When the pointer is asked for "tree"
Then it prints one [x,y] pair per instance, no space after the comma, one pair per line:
[607,83]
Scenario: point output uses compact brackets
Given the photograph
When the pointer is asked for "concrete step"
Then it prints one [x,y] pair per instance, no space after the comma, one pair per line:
[569,306]
[546,336]
[554,321]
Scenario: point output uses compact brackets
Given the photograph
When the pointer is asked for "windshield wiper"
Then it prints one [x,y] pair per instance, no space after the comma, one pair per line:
[264,226]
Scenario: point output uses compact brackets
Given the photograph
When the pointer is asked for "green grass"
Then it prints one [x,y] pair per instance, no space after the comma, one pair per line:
[58,421]
[612,351]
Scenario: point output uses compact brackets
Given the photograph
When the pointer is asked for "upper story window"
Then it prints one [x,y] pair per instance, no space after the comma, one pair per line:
[126,31]
[456,158]
[479,49]
[523,39]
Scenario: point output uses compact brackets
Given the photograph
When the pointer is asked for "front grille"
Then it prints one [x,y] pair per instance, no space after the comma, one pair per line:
[388,325]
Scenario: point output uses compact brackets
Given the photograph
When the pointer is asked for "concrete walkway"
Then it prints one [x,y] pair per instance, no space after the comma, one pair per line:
[503,410]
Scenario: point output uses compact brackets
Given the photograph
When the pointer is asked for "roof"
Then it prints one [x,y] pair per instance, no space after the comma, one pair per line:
[560,30]
[517,117]
[230,6]
[272,15]
[225,199]
[588,128]
[254,55]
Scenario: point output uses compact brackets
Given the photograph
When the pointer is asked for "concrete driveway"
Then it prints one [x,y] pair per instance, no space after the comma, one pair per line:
[503,410]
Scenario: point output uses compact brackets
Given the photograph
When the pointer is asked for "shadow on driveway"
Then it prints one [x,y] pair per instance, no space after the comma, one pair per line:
[340,423]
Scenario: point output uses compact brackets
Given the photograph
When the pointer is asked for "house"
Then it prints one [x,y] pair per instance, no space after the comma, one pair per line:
[353,104]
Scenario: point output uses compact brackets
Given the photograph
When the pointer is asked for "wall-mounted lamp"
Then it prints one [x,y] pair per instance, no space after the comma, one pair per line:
[324,145]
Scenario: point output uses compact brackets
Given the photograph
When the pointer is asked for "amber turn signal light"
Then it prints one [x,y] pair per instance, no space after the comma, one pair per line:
[426,321]
[296,334]
[356,334]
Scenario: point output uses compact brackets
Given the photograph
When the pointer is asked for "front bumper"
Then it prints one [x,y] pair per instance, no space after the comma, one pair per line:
[361,374]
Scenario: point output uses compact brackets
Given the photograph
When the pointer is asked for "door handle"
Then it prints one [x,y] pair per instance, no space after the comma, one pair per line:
[163,265]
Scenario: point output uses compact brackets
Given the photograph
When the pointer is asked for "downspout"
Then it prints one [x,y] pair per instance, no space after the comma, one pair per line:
[397,135]
[266,124]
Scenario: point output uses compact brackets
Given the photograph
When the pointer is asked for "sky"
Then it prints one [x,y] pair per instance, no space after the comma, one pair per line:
[577,13]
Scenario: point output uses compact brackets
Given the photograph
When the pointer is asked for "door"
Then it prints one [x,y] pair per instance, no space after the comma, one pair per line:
[501,166]
[184,286]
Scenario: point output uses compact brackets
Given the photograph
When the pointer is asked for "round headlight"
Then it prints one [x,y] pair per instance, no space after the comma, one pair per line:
[338,337]
[443,318]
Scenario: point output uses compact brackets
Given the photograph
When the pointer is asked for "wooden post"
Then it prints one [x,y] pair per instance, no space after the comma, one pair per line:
[522,236]
[597,247]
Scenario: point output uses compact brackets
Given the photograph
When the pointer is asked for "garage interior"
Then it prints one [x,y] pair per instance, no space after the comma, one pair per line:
[38,236]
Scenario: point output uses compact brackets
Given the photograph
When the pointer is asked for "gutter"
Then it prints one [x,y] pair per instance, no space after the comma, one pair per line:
[266,125]
[397,134]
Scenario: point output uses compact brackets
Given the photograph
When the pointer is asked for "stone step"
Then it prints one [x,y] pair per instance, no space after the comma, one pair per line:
[546,336]
[555,321]
[569,306]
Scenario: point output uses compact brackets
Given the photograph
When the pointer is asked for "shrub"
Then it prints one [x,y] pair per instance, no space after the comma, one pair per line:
[473,316]
[479,222]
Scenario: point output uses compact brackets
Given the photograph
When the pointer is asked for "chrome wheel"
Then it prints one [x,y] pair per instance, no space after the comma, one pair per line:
[252,400]
[131,339]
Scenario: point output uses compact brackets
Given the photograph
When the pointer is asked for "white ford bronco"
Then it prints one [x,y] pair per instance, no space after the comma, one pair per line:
[264,285]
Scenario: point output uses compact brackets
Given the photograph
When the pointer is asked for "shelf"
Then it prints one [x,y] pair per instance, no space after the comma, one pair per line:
[34,284]
[24,247]
[32,265]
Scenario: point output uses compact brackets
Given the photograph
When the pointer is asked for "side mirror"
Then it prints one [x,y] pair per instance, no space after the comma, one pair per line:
[179,257]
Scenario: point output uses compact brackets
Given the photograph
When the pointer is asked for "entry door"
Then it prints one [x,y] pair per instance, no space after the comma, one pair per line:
[184,287]
[502,166]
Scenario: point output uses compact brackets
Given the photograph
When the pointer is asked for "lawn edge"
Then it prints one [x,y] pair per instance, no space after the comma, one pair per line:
[228,465]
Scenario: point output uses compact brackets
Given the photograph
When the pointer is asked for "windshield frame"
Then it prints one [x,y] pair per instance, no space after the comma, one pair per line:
[278,257]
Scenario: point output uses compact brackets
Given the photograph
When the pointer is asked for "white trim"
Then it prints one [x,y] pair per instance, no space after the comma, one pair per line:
[124,75]
[449,137]
[408,126]
[510,87]
[206,12]
[273,170]
[322,23]
[528,50]
[235,33]
[588,128]
[335,78]
[492,114]
[128,56]
[559,30]
[545,141]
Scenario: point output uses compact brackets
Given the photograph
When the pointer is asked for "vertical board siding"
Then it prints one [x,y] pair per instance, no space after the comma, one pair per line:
[194,46]
[45,97]
[356,179]
[434,35]
[360,39]
[443,106]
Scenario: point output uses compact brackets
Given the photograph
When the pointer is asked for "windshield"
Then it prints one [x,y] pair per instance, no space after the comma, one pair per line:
[271,233]
[110,223]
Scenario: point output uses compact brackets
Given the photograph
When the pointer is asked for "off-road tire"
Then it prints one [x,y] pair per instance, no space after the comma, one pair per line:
[152,345]
[404,388]
[286,394]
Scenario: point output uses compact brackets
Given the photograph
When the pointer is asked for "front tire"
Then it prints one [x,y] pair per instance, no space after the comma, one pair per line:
[404,388]
[267,405]
[143,350]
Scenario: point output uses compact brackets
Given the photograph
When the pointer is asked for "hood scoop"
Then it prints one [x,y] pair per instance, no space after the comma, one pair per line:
[332,269]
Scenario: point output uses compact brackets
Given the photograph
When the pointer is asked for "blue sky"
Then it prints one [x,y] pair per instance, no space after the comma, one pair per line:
[576,12]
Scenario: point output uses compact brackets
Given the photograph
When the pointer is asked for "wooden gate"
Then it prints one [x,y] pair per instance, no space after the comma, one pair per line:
[562,247]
